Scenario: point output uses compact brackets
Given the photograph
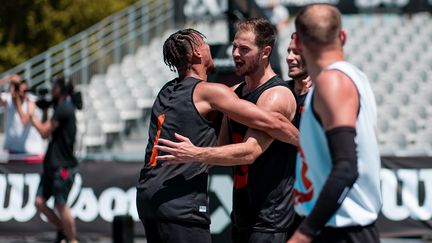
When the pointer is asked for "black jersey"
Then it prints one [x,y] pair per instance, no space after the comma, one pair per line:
[175,192]
[300,103]
[61,146]
[262,198]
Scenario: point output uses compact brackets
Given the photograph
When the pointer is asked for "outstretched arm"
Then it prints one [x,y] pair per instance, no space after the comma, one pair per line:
[242,153]
[223,99]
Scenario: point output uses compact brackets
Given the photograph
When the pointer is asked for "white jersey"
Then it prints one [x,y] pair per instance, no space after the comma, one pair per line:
[363,202]
[21,138]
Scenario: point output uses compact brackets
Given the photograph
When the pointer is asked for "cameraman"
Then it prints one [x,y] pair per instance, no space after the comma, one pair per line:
[22,140]
[60,164]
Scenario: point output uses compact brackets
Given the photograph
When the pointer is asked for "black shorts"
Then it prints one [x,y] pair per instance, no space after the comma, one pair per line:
[57,183]
[355,234]
[161,231]
[247,236]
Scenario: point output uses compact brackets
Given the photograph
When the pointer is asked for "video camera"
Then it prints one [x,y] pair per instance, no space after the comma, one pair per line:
[42,91]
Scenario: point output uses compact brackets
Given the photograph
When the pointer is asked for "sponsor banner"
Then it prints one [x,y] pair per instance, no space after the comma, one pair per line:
[406,185]
[366,6]
[105,189]
[100,191]
[193,9]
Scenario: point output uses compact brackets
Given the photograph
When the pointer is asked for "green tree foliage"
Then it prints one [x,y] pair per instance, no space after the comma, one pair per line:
[30,27]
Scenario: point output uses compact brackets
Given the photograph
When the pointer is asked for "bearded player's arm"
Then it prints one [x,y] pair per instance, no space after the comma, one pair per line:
[277,99]
[223,99]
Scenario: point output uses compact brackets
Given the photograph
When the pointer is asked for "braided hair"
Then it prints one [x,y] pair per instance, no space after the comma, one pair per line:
[178,48]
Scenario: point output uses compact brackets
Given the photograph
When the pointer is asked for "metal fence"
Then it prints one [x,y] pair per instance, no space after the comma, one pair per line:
[92,50]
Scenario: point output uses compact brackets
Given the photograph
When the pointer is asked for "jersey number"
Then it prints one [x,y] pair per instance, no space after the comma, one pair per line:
[160,119]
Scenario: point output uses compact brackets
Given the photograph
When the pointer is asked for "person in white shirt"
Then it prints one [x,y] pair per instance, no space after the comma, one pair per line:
[22,141]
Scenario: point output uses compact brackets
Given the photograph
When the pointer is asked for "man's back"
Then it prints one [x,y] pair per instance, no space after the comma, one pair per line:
[362,205]
[175,192]
[61,146]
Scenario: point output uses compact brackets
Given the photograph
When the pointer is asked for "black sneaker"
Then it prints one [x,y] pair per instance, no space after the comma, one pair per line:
[61,237]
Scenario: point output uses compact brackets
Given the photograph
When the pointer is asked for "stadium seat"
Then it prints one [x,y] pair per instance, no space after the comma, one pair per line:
[94,138]
[423,140]
[395,140]
[383,126]
[389,111]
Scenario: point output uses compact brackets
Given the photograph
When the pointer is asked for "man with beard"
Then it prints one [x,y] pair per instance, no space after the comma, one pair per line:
[172,200]
[264,167]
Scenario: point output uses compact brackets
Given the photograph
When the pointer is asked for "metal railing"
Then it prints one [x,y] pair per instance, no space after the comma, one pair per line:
[92,50]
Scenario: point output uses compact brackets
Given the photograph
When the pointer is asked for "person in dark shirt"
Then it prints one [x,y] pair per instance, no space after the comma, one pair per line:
[172,200]
[60,164]
[263,166]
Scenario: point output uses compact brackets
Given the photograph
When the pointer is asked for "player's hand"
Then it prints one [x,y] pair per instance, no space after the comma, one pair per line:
[299,237]
[307,82]
[179,152]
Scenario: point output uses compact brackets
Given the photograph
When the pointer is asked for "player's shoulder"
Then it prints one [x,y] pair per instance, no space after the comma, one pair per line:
[333,80]
[277,98]
[279,90]
[206,89]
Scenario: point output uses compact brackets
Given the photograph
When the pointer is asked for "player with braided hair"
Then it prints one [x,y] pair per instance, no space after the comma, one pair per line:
[172,200]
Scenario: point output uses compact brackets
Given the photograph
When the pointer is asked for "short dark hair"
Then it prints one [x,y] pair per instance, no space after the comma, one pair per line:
[265,34]
[318,24]
[66,85]
[178,47]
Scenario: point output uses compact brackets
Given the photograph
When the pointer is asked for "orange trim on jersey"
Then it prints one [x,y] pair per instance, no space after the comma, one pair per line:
[161,120]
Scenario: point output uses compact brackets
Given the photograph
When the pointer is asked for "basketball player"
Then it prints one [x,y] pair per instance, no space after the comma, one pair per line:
[264,167]
[337,186]
[172,200]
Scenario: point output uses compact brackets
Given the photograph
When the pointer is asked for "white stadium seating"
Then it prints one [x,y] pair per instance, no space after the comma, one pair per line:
[393,50]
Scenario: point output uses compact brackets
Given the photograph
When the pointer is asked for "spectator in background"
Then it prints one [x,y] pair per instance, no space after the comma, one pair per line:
[22,140]
[275,12]
[301,81]
[60,164]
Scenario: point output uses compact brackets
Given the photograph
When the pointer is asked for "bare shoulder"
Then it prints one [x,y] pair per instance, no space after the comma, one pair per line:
[334,82]
[213,93]
[336,99]
[278,99]
[207,90]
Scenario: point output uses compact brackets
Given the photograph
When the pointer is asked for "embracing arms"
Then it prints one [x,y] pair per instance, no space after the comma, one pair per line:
[223,99]
[255,142]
